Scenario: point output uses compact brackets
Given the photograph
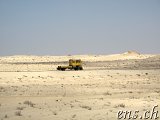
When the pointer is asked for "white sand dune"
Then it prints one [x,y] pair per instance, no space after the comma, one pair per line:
[123,56]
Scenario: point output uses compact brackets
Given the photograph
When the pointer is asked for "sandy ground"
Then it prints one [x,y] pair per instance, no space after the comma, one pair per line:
[32,89]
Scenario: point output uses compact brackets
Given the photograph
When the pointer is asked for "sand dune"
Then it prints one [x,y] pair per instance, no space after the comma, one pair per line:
[123,56]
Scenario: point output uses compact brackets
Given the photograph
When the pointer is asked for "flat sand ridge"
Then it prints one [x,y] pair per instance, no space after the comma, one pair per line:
[21,66]
[91,58]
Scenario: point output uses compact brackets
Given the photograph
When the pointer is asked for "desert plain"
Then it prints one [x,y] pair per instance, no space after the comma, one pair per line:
[32,89]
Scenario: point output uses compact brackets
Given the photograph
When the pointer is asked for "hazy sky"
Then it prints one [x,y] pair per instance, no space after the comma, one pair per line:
[62,27]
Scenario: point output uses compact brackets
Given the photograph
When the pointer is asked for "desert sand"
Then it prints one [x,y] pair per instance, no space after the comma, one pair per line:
[32,89]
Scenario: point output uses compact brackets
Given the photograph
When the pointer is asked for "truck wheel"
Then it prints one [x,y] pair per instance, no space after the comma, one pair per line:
[58,68]
[76,68]
[81,68]
[62,69]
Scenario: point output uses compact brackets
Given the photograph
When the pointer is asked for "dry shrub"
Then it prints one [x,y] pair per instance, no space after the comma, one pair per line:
[138,74]
[20,108]
[107,93]
[18,113]
[120,105]
[29,103]
[54,113]
[6,116]
[86,107]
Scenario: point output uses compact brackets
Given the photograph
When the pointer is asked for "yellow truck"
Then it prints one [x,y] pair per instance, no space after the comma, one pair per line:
[74,64]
